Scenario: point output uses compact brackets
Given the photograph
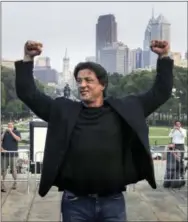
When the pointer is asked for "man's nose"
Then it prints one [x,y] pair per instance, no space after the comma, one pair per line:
[83,84]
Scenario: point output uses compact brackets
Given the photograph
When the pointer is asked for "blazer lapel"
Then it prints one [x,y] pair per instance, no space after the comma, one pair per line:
[132,115]
[75,109]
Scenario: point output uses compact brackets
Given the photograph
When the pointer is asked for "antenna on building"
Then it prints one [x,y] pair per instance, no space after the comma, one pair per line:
[152,12]
[66,54]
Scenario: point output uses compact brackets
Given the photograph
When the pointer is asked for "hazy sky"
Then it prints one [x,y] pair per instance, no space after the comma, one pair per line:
[72,25]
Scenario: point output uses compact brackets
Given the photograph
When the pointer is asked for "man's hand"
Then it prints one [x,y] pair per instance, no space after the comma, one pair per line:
[3,150]
[32,49]
[9,130]
[171,145]
[161,48]
[14,135]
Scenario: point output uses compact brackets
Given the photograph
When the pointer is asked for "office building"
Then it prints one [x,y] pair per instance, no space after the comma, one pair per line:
[106,33]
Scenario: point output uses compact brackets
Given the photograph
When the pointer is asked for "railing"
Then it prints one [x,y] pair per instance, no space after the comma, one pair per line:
[16,163]
[170,168]
[38,166]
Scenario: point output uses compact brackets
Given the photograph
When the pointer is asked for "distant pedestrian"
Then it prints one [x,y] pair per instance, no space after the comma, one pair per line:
[67,91]
[178,135]
[10,139]
[172,177]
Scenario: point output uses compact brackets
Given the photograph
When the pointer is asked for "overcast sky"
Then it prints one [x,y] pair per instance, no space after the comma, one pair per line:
[72,25]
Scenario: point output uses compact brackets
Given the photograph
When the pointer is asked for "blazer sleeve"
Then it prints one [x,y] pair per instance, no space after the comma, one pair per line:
[162,87]
[28,93]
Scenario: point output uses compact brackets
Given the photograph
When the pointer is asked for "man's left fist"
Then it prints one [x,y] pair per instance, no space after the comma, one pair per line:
[160,47]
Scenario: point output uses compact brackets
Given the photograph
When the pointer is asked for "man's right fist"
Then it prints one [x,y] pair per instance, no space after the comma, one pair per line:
[32,49]
[160,47]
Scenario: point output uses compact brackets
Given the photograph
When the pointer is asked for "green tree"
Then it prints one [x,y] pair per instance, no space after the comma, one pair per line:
[9,101]
[141,81]
[3,95]
[14,106]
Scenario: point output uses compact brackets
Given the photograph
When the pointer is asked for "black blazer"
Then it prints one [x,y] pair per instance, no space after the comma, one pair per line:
[61,115]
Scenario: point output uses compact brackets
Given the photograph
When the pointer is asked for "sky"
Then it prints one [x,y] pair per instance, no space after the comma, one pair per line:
[72,25]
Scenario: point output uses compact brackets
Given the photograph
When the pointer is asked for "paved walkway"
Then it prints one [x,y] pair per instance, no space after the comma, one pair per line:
[143,204]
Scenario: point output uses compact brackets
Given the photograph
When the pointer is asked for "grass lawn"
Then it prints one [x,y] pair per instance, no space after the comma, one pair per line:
[159,141]
[159,131]
[159,135]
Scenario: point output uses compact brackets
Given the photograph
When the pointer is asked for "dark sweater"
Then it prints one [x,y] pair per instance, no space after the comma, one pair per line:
[94,162]
[10,144]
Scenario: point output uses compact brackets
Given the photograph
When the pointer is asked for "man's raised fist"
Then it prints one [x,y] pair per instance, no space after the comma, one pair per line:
[32,48]
[160,47]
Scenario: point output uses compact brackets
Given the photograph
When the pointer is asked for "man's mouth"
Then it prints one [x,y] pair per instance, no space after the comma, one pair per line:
[83,92]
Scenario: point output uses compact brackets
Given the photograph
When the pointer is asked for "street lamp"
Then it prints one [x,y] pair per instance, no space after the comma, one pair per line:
[174,93]
[170,118]
[179,111]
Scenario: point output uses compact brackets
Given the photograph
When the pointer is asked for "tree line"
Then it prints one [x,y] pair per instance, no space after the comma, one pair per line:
[11,106]
[141,81]
[119,86]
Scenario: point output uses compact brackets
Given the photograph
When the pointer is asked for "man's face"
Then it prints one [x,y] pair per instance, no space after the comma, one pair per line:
[178,124]
[89,86]
[171,146]
[10,125]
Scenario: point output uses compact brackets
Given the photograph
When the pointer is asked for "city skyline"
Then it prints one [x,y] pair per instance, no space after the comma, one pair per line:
[62,31]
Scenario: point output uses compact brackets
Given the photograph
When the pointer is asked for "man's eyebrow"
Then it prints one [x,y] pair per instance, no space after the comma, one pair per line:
[85,77]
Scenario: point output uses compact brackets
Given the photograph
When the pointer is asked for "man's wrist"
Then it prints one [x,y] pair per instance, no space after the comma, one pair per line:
[28,58]
[166,55]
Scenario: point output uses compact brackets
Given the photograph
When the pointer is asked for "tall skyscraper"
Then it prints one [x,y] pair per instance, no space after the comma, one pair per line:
[106,33]
[128,66]
[147,34]
[157,29]
[147,41]
[139,58]
[133,59]
[160,31]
